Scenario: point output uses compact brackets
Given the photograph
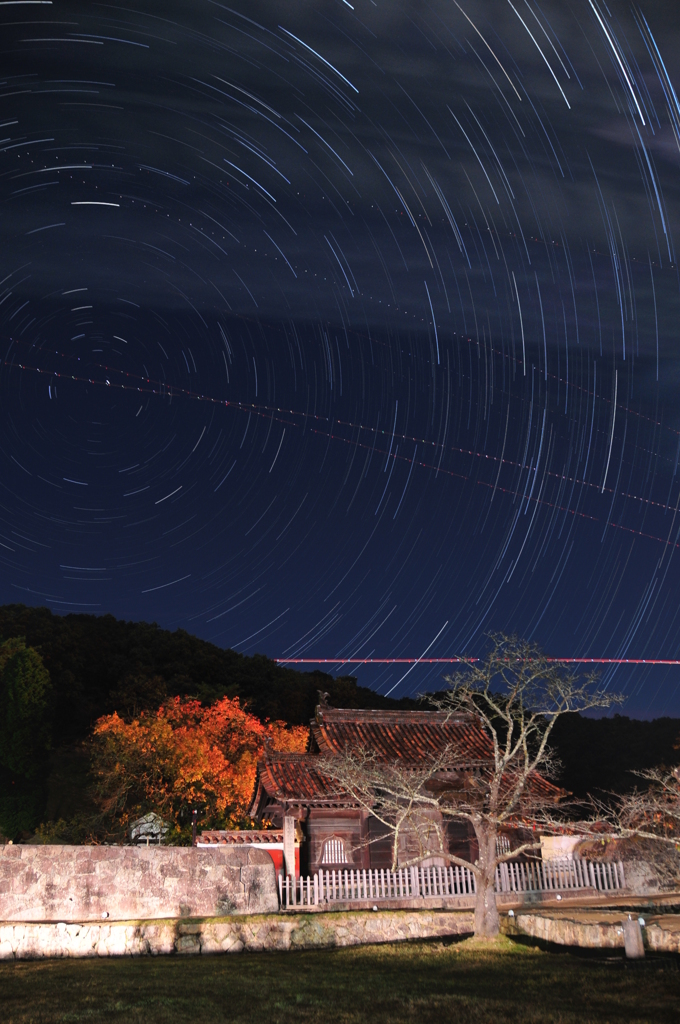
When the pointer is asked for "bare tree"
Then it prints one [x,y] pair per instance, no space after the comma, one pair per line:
[516,694]
[650,817]
[654,812]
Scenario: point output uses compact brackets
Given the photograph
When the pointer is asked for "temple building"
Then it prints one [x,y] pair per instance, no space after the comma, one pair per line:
[311,824]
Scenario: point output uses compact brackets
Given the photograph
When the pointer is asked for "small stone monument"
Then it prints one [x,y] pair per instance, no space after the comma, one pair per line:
[632,939]
[150,828]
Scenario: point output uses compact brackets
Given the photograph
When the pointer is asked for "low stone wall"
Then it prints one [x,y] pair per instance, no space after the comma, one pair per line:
[662,934]
[596,929]
[235,934]
[89,883]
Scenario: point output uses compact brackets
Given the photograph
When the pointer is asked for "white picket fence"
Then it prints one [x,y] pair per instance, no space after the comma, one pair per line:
[378,885]
[559,875]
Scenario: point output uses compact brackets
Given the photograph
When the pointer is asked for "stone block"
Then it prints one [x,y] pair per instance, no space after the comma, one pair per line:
[82,883]
[238,856]
[190,928]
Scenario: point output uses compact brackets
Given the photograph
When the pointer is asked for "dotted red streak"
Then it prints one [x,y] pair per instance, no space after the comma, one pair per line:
[455,661]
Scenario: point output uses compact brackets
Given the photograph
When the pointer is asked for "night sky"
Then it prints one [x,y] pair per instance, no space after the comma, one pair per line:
[339,329]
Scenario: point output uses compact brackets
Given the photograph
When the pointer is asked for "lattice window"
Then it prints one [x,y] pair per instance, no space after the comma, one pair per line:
[502,845]
[334,852]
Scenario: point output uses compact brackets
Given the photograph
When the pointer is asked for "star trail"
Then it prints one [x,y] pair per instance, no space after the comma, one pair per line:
[345,333]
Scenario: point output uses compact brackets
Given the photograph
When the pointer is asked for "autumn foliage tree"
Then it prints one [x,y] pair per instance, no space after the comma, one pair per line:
[180,757]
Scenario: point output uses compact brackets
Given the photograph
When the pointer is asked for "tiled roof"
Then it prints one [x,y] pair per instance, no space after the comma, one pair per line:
[294,777]
[406,736]
[538,787]
[247,837]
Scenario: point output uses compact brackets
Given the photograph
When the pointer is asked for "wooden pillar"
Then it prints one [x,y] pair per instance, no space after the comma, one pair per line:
[289,846]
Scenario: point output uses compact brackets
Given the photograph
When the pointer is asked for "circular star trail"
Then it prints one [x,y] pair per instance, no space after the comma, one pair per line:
[347,330]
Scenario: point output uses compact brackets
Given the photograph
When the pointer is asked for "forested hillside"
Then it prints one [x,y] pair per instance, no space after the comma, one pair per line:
[602,753]
[99,665]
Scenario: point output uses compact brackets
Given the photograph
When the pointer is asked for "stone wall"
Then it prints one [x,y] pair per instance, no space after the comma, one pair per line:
[92,883]
[596,928]
[228,935]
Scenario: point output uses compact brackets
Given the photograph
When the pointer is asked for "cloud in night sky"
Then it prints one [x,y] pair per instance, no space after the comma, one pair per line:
[333,328]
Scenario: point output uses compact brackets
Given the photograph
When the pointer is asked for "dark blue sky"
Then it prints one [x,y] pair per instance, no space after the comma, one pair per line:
[330,329]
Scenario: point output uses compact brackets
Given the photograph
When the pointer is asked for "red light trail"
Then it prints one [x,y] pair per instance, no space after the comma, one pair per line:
[455,661]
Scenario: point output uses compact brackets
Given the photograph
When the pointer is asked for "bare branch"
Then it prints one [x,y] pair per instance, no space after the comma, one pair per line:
[652,813]
[514,695]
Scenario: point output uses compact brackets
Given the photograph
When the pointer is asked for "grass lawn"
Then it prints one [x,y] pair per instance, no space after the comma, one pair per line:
[415,982]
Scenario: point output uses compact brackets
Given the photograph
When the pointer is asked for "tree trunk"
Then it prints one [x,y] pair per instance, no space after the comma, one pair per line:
[486,912]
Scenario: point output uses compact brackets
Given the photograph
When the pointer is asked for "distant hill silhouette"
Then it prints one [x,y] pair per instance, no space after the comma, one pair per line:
[601,753]
[99,664]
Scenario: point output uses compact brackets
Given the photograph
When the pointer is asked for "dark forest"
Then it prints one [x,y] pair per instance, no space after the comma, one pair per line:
[99,664]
